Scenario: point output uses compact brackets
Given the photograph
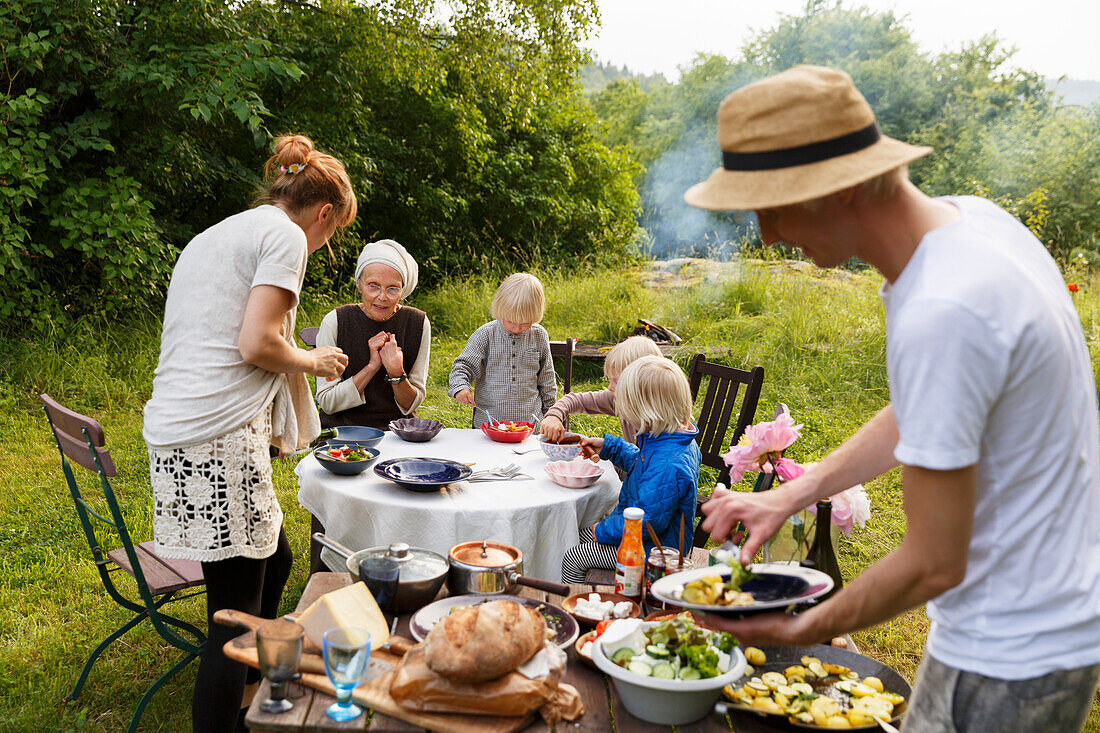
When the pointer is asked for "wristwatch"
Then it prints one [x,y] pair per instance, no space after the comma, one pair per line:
[397,380]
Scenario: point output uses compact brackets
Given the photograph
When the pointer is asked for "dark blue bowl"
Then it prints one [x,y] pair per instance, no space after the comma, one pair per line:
[345,468]
[357,434]
[422,474]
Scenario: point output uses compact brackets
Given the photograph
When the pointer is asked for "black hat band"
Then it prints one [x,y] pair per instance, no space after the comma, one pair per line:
[802,154]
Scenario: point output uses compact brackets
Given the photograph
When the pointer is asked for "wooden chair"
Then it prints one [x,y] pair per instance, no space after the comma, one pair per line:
[80,441]
[309,336]
[564,349]
[720,407]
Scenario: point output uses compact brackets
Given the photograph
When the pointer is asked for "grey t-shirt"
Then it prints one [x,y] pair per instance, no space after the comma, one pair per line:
[203,388]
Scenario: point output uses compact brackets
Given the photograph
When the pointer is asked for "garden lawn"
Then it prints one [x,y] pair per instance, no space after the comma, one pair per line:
[819,336]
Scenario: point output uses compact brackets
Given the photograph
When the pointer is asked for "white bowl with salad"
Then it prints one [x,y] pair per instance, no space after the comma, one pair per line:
[669,672]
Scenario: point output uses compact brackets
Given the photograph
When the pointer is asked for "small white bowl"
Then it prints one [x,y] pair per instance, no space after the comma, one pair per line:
[561,451]
[573,474]
[667,702]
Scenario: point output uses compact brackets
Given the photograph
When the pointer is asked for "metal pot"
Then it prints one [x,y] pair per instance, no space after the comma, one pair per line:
[490,568]
[423,572]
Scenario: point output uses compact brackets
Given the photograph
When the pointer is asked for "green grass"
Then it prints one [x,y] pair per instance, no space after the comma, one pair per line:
[819,335]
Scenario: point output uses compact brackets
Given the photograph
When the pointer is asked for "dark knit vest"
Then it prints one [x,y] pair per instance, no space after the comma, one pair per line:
[353,330]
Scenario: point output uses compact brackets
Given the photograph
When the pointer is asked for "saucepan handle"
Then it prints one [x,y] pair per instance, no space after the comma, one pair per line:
[546,585]
[333,545]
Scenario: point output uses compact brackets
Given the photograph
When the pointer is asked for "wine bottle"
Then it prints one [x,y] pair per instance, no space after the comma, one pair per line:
[821,555]
[630,559]
[326,434]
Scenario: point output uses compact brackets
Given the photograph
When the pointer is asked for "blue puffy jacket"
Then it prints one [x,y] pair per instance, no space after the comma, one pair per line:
[662,477]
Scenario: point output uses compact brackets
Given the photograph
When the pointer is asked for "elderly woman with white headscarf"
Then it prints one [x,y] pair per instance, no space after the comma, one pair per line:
[387,344]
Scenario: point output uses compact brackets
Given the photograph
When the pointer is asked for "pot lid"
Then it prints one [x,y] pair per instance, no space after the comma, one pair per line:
[485,554]
[416,563]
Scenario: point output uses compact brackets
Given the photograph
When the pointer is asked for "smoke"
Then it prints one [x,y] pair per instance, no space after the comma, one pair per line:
[676,229]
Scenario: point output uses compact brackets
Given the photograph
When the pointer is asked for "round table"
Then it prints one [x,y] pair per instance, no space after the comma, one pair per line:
[537,516]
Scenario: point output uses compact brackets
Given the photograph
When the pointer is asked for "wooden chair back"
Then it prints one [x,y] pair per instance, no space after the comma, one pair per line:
[564,349]
[721,407]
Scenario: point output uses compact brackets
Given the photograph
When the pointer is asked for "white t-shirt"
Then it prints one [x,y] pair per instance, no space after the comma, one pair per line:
[988,365]
[202,387]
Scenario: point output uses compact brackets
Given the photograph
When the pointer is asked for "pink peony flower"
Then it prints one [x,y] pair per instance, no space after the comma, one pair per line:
[851,508]
[787,469]
[759,443]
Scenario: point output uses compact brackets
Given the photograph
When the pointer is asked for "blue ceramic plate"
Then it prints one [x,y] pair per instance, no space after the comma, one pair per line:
[345,468]
[776,586]
[422,474]
[357,434]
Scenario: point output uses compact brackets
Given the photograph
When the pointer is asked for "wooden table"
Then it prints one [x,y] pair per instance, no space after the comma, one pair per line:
[602,703]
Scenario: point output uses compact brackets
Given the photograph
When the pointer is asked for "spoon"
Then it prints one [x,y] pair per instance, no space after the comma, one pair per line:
[886,726]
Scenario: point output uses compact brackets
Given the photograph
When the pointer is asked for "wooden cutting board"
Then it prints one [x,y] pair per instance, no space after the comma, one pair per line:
[375,692]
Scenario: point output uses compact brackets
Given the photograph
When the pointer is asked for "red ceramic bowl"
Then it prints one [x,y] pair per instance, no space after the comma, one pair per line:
[508,436]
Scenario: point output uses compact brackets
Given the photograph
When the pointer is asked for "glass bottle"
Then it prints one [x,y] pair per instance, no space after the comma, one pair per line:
[630,559]
[821,555]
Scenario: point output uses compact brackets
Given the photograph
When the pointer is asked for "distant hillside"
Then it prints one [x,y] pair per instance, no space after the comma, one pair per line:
[1076,91]
[597,76]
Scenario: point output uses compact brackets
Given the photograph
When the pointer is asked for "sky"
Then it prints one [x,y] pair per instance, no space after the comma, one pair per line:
[1053,37]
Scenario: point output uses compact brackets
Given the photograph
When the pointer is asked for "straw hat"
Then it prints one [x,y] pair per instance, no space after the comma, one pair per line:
[793,137]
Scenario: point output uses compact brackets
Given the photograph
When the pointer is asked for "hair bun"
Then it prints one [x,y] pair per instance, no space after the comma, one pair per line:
[291,149]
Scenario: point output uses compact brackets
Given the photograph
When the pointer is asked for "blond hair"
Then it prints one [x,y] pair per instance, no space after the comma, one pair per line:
[519,299]
[627,351]
[653,393]
[300,176]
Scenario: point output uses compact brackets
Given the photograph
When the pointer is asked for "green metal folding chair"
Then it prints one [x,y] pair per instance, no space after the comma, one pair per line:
[80,441]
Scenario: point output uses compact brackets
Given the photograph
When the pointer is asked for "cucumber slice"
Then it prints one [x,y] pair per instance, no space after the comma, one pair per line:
[658,638]
[654,650]
[622,655]
[690,673]
[640,668]
[664,671]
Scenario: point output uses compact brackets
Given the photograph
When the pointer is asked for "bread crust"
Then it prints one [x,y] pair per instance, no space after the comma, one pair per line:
[483,642]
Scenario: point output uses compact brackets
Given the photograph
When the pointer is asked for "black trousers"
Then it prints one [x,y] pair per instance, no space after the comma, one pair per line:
[243,584]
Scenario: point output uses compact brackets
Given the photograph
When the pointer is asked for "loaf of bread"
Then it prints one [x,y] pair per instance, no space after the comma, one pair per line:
[483,642]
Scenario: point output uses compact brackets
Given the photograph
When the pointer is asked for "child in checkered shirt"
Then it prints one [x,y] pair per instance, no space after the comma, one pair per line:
[507,362]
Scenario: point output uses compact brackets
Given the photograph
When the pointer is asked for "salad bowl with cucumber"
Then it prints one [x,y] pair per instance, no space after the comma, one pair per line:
[669,672]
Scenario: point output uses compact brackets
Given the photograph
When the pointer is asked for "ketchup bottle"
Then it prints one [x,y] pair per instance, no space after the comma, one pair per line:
[630,559]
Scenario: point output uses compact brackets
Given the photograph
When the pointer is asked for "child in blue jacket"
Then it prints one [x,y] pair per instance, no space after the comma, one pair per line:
[662,470]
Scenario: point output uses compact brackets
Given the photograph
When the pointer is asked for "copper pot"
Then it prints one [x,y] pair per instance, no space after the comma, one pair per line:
[491,568]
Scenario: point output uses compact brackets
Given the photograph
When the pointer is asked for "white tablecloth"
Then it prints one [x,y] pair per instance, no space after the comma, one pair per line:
[537,516]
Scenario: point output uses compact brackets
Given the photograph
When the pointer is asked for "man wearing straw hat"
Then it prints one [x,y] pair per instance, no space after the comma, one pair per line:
[993,415]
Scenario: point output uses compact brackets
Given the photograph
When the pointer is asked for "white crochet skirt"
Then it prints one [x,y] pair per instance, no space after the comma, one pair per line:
[216,500]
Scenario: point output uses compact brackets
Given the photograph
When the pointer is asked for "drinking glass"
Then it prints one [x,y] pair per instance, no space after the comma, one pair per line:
[381,575]
[279,647]
[347,654]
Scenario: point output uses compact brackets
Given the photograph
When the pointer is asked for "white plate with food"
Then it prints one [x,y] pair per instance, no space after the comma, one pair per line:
[563,625]
[772,586]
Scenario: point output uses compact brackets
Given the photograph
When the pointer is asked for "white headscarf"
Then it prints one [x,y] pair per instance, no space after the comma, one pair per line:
[389,252]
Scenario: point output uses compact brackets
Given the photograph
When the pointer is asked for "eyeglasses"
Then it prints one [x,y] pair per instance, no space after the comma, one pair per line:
[373,289]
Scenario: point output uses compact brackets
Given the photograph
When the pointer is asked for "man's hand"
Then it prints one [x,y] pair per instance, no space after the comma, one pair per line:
[552,428]
[762,513]
[764,629]
[466,397]
[591,447]
[328,362]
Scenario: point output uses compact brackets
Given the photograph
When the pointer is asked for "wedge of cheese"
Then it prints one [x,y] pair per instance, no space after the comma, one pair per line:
[351,606]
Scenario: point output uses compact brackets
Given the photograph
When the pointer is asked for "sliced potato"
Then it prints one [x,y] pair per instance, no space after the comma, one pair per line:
[773,680]
[795,670]
[755,656]
[893,697]
[860,690]
[781,700]
[802,688]
[874,705]
[858,717]
[837,721]
[750,670]
[767,704]
[874,683]
[835,668]
[807,659]
[803,717]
